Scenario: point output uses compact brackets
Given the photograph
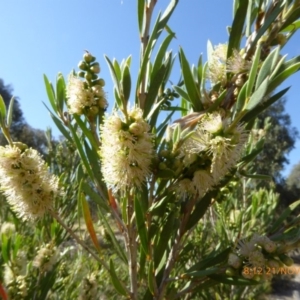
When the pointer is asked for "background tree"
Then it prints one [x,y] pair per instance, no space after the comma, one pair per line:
[20,129]
[280,138]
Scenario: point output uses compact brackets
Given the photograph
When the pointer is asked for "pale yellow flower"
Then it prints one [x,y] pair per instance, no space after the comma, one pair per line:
[78,95]
[217,64]
[126,151]
[46,258]
[25,181]
[89,288]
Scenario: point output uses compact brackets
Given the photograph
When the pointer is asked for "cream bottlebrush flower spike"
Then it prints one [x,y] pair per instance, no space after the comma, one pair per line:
[78,95]
[126,151]
[25,181]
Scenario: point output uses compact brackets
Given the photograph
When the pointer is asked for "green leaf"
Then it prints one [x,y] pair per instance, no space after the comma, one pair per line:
[118,285]
[248,18]
[151,277]
[237,27]
[260,108]
[283,76]
[182,93]
[153,89]
[258,95]
[288,24]
[86,131]
[117,68]
[163,238]
[256,176]
[81,152]
[60,126]
[141,10]
[167,13]
[94,196]
[253,72]
[88,220]
[211,260]
[233,280]
[192,90]
[126,84]
[2,111]
[140,222]
[60,92]
[50,93]
[241,99]
[5,248]
[119,250]
[160,56]
[292,27]
[10,112]
[202,273]
[113,74]
[200,70]
[267,67]
[278,223]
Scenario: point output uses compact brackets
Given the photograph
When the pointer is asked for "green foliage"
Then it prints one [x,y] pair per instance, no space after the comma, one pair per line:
[169,215]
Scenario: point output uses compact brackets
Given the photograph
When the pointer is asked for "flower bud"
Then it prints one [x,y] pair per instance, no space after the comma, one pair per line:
[81,74]
[230,272]
[88,76]
[164,153]
[95,68]
[93,110]
[286,260]
[99,81]
[136,129]
[88,57]
[82,65]
[162,166]
[20,145]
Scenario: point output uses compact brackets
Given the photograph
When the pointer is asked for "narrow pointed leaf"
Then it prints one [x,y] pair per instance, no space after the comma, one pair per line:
[10,112]
[260,108]
[278,223]
[126,83]
[192,90]
[283,76]
[89,222]
[253,72]
[151,277]
[81,152]
[140,222]
[60,91]
[267,67]
[233,280]
[160,56]
[113,74]
[258,95]
[50,93]
[118,285]
[141,10]
[2,110]
[87,132]
[237,27]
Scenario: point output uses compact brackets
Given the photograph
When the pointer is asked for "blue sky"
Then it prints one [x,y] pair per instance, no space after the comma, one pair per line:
[50,36]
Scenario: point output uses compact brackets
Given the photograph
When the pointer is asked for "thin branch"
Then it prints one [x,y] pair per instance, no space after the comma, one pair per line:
[144,42]
[77,239]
